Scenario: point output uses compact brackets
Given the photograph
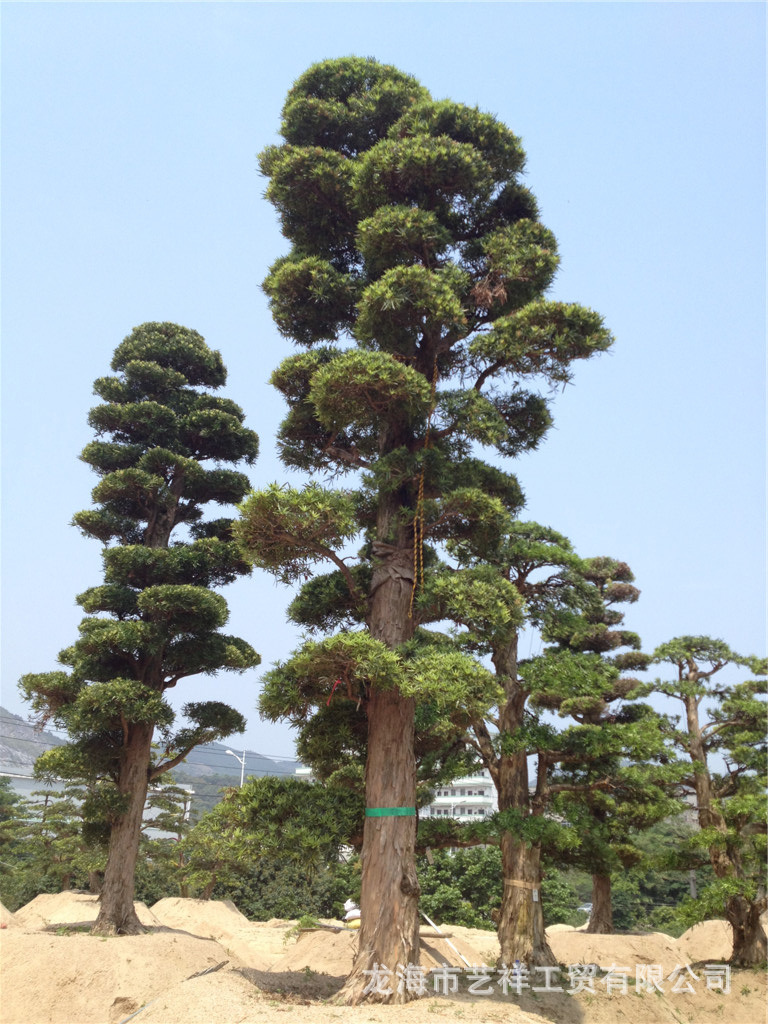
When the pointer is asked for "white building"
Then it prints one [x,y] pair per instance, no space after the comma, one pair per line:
[467,799]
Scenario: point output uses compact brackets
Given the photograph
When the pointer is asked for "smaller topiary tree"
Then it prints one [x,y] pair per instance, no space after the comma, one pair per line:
[725,725]
[163,448]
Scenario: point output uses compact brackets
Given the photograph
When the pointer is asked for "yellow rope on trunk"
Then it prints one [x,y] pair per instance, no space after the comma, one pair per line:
[418,519]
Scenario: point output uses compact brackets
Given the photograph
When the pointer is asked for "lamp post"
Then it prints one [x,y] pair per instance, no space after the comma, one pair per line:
[242,764]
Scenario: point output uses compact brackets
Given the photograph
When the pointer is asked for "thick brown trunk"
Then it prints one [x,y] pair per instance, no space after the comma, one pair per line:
[601,918]
[117,915]
[94,882]
[750,947]
[389,900]
[521,920]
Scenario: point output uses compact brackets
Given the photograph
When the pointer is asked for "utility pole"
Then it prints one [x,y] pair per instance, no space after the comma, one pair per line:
[242,765]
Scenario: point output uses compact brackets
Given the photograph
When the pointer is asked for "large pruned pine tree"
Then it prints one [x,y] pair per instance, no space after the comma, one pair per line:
[416,282]
[723,735]
[163,451]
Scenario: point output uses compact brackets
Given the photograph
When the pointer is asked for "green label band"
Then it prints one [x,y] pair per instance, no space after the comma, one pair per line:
[390,812]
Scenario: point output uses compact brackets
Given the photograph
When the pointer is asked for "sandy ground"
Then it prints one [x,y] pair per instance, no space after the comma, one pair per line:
[205,963]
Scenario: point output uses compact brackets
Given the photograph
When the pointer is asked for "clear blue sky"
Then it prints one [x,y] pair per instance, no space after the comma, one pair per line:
[130,193]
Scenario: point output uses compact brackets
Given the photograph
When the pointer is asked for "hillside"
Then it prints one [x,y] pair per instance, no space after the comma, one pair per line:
[20,744]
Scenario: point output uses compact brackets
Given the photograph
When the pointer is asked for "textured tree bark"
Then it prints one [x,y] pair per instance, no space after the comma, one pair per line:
[389,929]
[521,920]
[601,918]
[389,911]
[117,915]
[750,946]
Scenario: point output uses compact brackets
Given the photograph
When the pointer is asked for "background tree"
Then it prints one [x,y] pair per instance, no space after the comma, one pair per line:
[609,823]
[414,239]
[642,790]
[269,820]
[724,736]
[529,575]
[155,620]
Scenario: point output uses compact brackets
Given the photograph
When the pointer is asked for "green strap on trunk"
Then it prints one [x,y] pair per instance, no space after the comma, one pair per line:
[390,812]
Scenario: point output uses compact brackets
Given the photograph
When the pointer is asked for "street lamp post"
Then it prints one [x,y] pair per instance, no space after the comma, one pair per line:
[242,764]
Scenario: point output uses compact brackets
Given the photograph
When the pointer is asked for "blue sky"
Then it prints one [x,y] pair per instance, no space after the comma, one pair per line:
[131,193]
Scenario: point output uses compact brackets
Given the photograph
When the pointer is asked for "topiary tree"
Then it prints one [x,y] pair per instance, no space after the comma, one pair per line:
[163,448]
[642,788]
[724,736]
[416,283]
[527,575]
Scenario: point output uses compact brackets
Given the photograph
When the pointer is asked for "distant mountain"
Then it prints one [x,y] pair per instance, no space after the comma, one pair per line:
[21,744]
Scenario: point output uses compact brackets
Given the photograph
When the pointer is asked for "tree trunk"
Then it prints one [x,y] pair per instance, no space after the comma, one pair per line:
[389,899]
[601,918]
[389,908]
[750,947]
[94,882]
[117,915]
[521,920]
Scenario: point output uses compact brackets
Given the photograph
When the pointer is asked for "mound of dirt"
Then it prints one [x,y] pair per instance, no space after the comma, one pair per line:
[255,945]
[174,977]
[708,939]
[70,909]
[332,953]
[321,951]
[213,918]
[92,980]
[617,950]
[7,919]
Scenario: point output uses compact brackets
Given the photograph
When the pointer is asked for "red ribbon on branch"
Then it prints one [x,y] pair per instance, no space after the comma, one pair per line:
[337,683]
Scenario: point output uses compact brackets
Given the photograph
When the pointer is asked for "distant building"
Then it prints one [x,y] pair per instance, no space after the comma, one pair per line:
[467,799]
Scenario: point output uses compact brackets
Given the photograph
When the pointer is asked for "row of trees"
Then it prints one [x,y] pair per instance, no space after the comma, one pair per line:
[416,286]
[232,854]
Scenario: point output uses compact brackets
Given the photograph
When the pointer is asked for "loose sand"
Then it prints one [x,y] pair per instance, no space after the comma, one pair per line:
[205,963]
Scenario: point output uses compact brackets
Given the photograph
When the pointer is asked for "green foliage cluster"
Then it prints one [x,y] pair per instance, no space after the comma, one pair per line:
[724,737]
[269,820]
[56,839]
[155,620]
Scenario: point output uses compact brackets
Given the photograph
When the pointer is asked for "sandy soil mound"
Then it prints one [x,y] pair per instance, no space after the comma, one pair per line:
[91,980]
[201,917]
[7,919]
[617,950]
[707,939]
[174,977]
[322,951]
[332,953]
[256,944]
[477,946]
[71,909]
